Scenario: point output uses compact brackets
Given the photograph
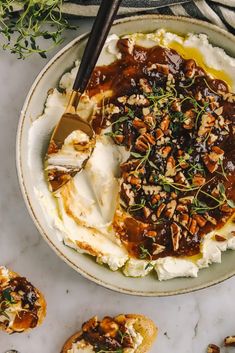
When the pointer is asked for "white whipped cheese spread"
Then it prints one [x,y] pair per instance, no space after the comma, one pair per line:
[83,209]
[81,347]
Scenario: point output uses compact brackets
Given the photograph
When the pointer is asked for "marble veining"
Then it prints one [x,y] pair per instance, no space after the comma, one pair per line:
[187,323]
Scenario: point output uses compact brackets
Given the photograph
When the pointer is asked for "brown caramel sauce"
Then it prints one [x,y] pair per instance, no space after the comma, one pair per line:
[122,77]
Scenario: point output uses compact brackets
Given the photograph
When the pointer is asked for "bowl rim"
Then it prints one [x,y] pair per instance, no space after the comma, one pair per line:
[20,174]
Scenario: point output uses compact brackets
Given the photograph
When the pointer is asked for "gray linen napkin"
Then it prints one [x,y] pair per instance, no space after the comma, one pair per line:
[219,12]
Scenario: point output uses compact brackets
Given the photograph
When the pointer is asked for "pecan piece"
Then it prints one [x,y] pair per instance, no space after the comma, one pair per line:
[212,348]
[118,139]
[142,143]
[189,68]
[160,209]
[147,212]
[146,88]
[182,208]
[176,106]
[151,233]
[158,248]
[184,219]
[150,121]
[219,238]
[164,125]
[109,326]
[187,200]
[201,221]
[90,324]
[207,122]
[170,167]
[210,219]
[192,226]
[229,341]
[159,134]
[138,99]
[170,209]
[175,235]
[211,165]
[198,180]
[164,151]
[189,119]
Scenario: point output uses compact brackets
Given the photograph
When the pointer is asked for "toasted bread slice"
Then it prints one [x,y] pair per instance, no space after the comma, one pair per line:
[141,324]
[22,306]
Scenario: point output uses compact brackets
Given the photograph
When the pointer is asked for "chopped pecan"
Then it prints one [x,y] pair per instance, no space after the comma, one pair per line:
[90,324]
[164,151]
[170,209]
[170,167]
[138,99]
[229,341]
[151,233]
[225,208]
[129,165]
[189,68]
[201,221]
[211,165]
[138,123]
[159,134]
[122,99]
[175,235]
[176,106]
[158,248]
[198,180]
[145,85]
[133,180]
[184,219]
[147,212]
[189,119]
[181,179]
[142,143]
[145,110]
[211,160]
[192,226]
[182,208]
[155,199]
[187,200]
[109,326]
[211,139]
[164,125]
[119,139]
[212,348]
[150,121]
[160,209]
[219,238]
[219,111]
[210,219]
[207,122]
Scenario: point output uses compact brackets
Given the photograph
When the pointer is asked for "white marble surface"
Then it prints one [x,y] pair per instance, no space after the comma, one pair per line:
[187,323]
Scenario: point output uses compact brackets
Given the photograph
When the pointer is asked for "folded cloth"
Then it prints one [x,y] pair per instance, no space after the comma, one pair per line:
[219,12]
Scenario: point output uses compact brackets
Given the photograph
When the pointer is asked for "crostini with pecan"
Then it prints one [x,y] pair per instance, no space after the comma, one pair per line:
[129,333]
[22,306]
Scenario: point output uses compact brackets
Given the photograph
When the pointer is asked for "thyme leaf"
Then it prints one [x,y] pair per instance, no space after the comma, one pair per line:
[21,31]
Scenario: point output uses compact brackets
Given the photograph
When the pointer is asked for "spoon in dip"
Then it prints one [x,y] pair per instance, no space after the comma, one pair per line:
[73,138]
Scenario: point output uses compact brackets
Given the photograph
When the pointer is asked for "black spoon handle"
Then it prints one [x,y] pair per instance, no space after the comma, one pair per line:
[98,35]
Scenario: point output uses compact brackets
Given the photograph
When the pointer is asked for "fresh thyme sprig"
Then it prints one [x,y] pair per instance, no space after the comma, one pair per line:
[5,301]
[20,31]
[144,253]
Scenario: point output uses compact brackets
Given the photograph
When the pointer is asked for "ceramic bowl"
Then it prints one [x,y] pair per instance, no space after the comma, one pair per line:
[33,107]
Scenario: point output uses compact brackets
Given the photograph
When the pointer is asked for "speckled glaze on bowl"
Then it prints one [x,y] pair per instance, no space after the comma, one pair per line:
[33,106]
